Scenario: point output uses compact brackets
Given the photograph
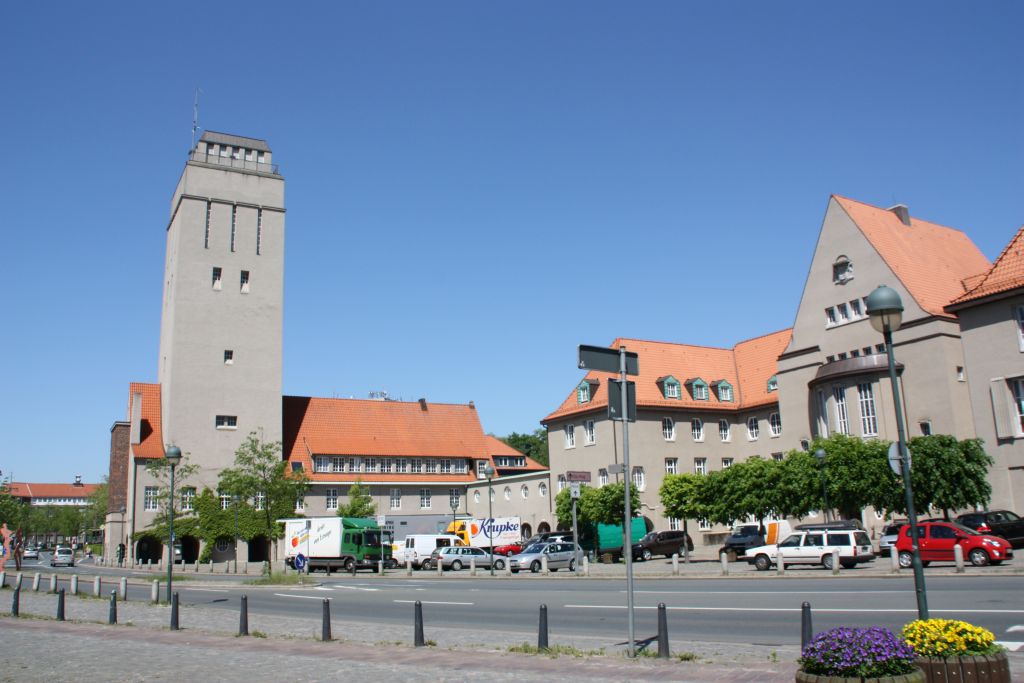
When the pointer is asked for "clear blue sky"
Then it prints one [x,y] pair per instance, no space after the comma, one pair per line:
[473,188]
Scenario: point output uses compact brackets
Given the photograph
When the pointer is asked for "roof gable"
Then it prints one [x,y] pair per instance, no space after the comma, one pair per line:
[1006,274]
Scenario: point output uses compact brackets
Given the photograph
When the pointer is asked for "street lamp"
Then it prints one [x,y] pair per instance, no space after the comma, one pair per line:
[489,473]
[173,456]
[122,550]
[885,310]
[820,455]
[453,503]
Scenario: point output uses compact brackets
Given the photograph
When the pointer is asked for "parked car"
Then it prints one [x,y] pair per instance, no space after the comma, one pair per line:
[743,537]
[1002,523]
[30,553]
[936,541]
[508,549]
[457,557]
[890,532]
[550,537]
[667,543]
[559,555]
[63,556]
[417,548]
[815,546]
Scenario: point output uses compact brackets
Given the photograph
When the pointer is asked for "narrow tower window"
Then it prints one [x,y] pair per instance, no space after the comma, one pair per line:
[216,277]
[234,214]
[259,231]
[229,356]
[206,235]
[245,282]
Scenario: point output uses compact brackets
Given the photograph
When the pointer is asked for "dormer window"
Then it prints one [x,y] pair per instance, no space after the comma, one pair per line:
[670,387]
[583,393]
[842,270]
[723,389]
[698,388]
[773,384]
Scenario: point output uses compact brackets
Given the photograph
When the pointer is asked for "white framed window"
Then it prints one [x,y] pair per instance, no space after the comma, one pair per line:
[697,429]
[396,499]
[229,357]
[150,496]
[723,430]
[1020,328]
[583,393]
[842,313]
[674,524]
[724,392]
[830,316]
[842,418]
[416,466]
[476,496]
[753,429]
[700,391]
[371,464]
[188,497]
[672,390]
[446,466]
[244,282]
[561,482]
[300,504]
[226,422]
[259,501]
[401,465]
[508,493]
[668,428]
[248,154]
[332,499]
[542,490]
[454,498]
[461,466]
[589,434]
[775,424]
[700,465]
[1018,401]
[225,501]
[602,477]
[960,375]
[703,524]
[424,499]
[778,457]
[671,465]
[524,491]
[217,272]
[855,308]
[570,436]
[386,465]
[639,479]
[868,420]
[429,464]
[726,463]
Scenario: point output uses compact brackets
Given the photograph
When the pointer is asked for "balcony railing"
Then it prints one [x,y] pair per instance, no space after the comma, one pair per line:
[235,162]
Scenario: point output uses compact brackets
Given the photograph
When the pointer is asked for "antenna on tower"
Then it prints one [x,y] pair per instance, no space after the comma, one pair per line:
[195,117]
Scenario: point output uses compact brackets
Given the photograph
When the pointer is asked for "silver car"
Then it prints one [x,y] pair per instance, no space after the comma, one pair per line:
[560,555]
[456,557]
[888,538]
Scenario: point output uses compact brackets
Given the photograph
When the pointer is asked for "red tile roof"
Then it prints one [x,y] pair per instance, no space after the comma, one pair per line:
[747,367]
[1006,274]
[26,490]
[331,426]
[930,260]
[151,444]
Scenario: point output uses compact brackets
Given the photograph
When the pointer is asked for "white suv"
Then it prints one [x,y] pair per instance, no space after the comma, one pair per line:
[815,546]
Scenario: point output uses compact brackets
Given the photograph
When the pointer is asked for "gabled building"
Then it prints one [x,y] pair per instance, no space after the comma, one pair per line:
[75,495]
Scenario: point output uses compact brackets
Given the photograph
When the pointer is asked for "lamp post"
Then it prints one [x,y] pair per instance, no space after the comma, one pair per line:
[122,550]
[453,503]
[885,310]
[173,455]
[489,473]
[820,455]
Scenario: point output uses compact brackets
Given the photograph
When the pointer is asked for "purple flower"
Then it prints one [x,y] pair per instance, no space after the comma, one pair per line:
[865,652]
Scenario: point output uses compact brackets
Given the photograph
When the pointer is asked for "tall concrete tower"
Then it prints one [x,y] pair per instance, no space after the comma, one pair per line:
[221,328]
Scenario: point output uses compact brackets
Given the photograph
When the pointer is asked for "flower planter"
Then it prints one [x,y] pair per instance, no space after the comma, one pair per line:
[974,669]
[915,677]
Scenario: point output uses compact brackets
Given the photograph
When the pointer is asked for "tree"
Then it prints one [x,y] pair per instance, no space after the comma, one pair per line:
[948,474]
[532,445]
[95,515]
[563,506]
[608,504]
[857,474]
[160,470]
[260,474]
[360,504]
[679,494]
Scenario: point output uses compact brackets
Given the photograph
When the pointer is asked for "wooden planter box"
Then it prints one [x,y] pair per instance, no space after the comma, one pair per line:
[974,669]
[915,677]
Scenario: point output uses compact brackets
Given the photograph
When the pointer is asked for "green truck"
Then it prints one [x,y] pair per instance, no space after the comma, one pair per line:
[607,538]
[331,543]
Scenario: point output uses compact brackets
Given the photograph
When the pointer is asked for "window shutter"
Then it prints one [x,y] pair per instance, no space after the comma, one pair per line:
[1003,409]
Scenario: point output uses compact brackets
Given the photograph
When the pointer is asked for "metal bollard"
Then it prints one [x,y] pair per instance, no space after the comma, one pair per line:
[174,611]
[112,613]
[472,566]
[723,559]
[675,564]
[544,564]
[380,567]
[96,587]
[154,592]
[440,566]
[894,561]
[780,566]
[958,557]
[18,578]
[3,579]
[60,605]
[836,564]
[74,584]
[662,631]
[325,627]
[124,588]
[586,566]
[417,628]
[53,583]
[243,617]
[35,582]
[508,568]
[542,631]
[408,566]
[16,601]
[806,631]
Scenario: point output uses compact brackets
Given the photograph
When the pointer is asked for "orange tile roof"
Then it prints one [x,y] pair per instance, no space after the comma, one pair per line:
[930,260]
[1006,274]
[747,367]
[498,447]
[151,444]
[20,489]
[333,426]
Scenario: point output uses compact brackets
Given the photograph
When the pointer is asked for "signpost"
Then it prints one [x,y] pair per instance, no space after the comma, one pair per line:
[625,363]
[381,521]
[896,460]
[574,493]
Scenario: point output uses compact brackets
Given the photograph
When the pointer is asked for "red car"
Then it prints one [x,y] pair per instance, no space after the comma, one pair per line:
[936,541]
[510,549]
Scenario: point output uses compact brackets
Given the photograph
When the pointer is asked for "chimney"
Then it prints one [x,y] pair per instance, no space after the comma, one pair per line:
[902,212]
[423,404]
[472,406]
[78,480]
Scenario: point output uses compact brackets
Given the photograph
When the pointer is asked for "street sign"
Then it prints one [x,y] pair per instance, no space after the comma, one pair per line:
[615,400]
[616,468]
[382,520]
[894,459]
[300,562]
[574,490]
[577,475]
[607,360]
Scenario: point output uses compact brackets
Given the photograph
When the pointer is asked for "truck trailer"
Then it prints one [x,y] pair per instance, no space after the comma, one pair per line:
[483,533]
[331,543]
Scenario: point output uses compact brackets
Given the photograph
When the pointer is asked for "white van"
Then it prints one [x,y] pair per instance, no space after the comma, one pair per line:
[418,547]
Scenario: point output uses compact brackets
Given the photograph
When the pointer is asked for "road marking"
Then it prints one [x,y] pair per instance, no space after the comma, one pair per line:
[292,595]
[428,602]
[767,592]
[1015,628]
[797,609]
[208,590]
[1010,645]
[348,588]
